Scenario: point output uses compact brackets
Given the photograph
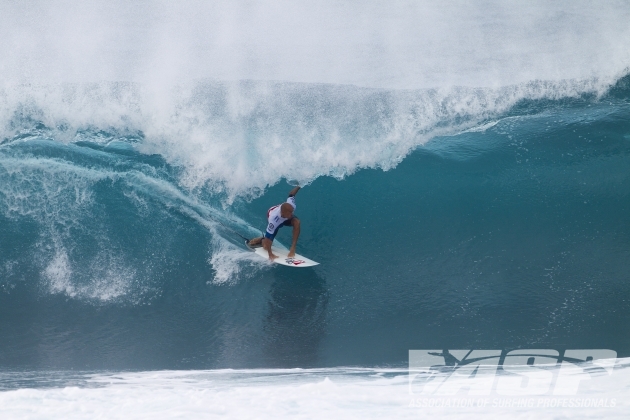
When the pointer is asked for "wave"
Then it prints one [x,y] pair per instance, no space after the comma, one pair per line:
[61,190]
[227,142]
[270,92]
[239,138]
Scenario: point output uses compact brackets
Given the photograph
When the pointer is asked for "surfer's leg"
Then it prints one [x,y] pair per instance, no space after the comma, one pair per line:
[267,240]
[255,241]
[295,222]
[266,243]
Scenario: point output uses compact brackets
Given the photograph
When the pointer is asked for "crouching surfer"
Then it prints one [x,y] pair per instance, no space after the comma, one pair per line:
[278,216]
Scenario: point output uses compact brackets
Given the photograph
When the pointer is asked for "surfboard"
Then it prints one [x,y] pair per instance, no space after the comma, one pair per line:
[282,252]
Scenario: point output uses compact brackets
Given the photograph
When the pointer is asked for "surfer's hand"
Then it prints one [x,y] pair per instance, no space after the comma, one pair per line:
[291,253]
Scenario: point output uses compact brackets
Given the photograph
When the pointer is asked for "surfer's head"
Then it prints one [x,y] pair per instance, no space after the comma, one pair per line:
[286,210]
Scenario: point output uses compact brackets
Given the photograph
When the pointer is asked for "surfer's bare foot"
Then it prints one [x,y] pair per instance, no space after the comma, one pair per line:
[272,257]
[256,242]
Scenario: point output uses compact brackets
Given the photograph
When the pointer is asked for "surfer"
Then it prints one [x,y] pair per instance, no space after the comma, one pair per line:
[278,216]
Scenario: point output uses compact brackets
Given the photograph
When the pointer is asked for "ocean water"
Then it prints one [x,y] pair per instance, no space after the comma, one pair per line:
[466,185]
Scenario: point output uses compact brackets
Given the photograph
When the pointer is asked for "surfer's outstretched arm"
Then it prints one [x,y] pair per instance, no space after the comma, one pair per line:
[294,191]
[296,233]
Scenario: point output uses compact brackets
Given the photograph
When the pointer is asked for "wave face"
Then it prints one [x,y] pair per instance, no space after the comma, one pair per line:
[458,200]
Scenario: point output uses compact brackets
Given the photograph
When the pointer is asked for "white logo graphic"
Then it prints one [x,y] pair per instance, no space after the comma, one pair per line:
[508,373]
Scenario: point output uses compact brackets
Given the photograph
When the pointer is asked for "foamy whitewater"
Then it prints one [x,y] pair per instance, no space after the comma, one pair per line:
[354,393]
[466,185]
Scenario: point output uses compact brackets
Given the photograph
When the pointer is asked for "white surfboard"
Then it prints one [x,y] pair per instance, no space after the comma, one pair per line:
[282,252]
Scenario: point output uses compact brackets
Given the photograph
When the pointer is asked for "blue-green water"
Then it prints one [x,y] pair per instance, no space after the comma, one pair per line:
[508,228]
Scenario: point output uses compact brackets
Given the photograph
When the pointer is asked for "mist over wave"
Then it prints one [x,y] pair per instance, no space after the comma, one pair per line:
[401,44]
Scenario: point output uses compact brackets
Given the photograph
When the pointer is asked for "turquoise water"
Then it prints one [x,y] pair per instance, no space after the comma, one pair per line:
[504,227]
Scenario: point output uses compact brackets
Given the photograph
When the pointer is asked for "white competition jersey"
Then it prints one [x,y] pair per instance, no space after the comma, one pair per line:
[275,219]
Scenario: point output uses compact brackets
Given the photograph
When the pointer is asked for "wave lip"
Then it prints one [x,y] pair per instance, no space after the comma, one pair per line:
[238,138]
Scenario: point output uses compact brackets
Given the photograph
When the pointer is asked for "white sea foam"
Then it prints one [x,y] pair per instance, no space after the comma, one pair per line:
[483,127]
[58,273]
[240,137]
[349,393]
[231,263]
[175,73]
[107,278]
